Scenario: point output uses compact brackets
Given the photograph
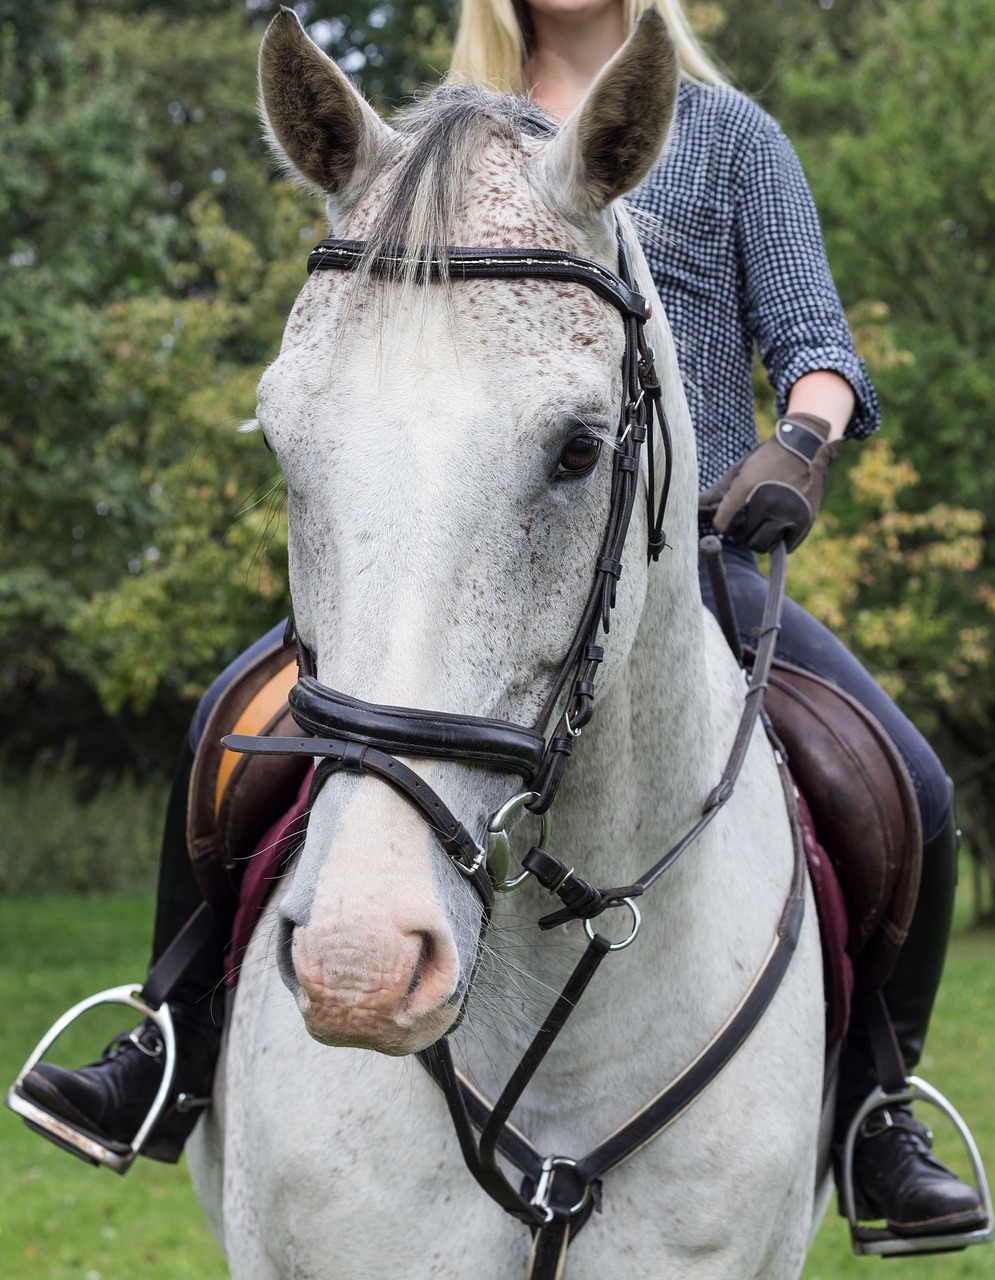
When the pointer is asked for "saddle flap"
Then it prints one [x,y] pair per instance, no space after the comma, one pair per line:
[233,797]
[863,805]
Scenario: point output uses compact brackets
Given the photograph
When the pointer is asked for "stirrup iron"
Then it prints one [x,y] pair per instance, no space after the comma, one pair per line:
[81,1142]
[883,1241]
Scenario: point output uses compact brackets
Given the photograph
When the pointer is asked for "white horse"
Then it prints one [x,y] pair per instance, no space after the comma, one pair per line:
[447,448]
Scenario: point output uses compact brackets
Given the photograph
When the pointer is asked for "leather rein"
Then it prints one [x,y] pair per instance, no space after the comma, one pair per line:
[557,1193]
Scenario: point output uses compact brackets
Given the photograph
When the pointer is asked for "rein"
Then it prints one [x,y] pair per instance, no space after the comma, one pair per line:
[558,1192]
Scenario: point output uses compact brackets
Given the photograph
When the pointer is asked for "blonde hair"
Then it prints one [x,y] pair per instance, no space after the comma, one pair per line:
[493,37]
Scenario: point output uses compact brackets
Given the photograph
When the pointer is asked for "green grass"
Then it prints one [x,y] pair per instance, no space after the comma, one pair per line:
[958,1062]
[63,1220]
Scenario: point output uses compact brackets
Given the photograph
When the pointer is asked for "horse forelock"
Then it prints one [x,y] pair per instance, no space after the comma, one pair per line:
[420,182]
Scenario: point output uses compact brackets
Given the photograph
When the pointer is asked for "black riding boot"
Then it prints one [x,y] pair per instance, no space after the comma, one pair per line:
[111,1097]
[895,1176]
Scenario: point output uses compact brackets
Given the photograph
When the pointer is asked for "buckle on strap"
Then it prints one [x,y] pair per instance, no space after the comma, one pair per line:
[117,1156]
[882,1241]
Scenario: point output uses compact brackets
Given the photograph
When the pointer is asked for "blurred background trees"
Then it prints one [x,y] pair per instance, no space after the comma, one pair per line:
[150,254]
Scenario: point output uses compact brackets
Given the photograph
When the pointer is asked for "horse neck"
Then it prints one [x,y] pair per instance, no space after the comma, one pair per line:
[634,786]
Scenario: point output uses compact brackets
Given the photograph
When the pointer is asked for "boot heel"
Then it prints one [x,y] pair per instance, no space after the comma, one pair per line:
[78,1140]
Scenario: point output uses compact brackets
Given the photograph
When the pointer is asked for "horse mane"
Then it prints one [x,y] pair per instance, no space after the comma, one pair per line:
[427,167]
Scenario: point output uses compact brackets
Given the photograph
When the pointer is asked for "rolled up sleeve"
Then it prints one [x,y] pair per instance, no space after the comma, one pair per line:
[790,303]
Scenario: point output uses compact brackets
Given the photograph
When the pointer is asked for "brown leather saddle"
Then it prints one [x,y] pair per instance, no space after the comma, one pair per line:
[857,788]
[233,798]
[864,808]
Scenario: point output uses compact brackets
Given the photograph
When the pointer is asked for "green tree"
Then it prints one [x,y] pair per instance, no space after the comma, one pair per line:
[897,133]
[152,260]
[153,257]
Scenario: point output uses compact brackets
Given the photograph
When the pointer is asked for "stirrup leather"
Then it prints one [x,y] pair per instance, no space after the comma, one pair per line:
[882,1241]
[117,1156]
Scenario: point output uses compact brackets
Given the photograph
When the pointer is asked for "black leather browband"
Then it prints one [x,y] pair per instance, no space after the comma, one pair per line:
[486,264]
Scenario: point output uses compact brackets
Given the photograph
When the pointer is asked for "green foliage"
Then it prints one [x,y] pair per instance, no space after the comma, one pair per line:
[92,839]
[892,583]
[392,50]
[152,257]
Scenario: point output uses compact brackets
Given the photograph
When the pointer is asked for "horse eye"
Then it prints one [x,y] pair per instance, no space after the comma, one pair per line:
[579,455]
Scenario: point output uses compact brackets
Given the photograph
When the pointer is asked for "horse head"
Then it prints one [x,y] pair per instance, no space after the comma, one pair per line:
[447,446]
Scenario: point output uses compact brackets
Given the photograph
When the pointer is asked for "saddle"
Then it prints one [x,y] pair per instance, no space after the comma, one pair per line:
[862,832]
[856,799]
[234,798]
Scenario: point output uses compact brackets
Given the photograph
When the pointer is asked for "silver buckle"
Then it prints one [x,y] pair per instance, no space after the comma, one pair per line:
[117,1156]
[882,1241]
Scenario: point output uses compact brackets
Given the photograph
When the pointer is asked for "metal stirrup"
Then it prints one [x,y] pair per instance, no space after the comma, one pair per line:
[118,1156]
[883,1241]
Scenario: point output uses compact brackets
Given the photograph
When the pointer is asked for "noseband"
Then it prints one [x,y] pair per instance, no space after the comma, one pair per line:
[362,737]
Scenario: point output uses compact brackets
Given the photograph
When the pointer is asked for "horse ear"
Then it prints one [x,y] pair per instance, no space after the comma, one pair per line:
[612,140]
[317,120]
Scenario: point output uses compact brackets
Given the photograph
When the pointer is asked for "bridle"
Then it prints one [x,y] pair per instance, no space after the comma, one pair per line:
[346,734]
[358,736]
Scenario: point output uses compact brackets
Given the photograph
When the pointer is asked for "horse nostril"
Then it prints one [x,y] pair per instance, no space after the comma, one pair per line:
[285,953]
[426,956]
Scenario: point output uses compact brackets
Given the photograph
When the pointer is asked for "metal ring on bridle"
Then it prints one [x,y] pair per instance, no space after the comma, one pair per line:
[637,921]
[499,843]
[540,1198]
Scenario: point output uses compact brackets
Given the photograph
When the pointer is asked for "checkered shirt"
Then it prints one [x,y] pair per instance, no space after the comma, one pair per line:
[738,260]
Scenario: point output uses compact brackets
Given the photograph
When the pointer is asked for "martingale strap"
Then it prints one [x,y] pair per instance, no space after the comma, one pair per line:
[569,1187]
[572,1187]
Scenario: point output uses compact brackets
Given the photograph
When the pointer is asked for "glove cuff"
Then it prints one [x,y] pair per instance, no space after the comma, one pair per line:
[802,434]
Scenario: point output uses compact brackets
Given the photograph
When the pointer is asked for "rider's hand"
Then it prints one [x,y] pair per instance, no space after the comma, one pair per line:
[775,491]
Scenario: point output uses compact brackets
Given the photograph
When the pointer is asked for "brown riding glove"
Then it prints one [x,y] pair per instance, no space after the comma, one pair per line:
[775,491]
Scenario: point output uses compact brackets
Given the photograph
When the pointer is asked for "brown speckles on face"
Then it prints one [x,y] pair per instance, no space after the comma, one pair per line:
[441,412]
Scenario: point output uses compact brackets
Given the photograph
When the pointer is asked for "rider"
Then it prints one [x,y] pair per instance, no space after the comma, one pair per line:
[740,263]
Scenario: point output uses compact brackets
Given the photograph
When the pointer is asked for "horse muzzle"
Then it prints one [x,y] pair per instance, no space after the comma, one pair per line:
[365,979]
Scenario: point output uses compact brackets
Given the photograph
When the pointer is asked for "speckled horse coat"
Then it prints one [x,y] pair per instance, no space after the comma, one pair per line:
[446,449]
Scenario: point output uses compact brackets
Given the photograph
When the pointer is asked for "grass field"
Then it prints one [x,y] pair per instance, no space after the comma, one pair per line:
[62,1220]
